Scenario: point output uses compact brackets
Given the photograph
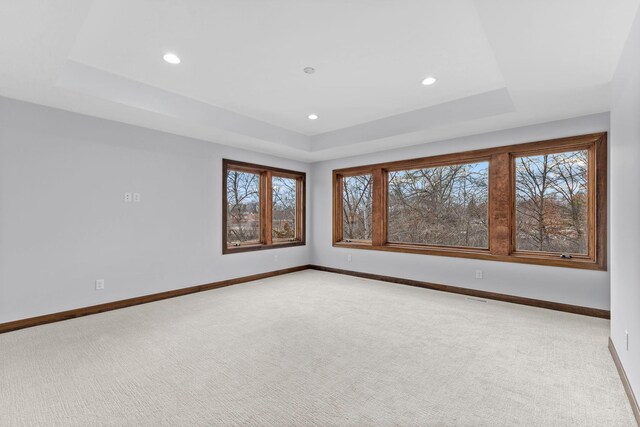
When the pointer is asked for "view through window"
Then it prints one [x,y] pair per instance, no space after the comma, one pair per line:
[357,205]
[243,207]
[445,205]
[552,202]
[284,208]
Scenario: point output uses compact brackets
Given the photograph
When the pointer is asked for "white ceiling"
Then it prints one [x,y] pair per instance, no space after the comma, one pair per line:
[499,64]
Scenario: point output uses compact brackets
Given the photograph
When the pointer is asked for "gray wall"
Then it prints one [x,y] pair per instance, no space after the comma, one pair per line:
[64,224]
[565,285]
[625,208]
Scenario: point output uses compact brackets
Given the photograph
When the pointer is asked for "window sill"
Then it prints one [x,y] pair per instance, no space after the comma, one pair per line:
[476,253]
[260,247]
[554,260]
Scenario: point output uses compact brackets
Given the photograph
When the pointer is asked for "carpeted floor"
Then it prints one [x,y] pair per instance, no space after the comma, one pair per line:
[314,349]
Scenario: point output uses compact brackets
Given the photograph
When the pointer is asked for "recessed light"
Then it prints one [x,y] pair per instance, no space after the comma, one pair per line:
[309,70]
[313,116]
[429,81]
[171,58]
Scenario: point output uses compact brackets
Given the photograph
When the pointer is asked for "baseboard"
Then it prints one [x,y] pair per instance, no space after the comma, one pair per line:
[576,309]
[94,309]
[625,381]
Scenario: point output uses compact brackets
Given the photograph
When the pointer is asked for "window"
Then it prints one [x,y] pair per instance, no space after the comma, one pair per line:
[243,207]
[285,211]
[263,207]
[552,202]
[538,203]
[445,205]
[357,207]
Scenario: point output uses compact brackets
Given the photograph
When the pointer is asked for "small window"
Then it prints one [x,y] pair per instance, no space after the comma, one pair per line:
[552,203]
[357,205]
[263,207]
[444,205]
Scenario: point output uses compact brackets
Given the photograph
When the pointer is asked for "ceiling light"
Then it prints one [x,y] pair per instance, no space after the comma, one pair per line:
[171,58]
[429,81]
[313,116]
[309,70]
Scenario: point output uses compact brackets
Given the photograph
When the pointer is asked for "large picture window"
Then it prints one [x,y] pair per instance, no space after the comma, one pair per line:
[263,207]
[443,205]
[539,203]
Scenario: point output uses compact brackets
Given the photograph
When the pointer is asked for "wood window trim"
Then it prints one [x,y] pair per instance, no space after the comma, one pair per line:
[266,202]
[501,206]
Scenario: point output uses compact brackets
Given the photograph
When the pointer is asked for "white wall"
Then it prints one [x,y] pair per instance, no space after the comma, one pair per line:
[63,222]
[625,207]
[564,285]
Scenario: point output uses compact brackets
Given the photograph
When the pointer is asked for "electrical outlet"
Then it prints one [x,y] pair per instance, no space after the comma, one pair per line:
[127,197]
[136,197]
[275,258]
[626,334]
[349,258]
[99,284]
[479,274]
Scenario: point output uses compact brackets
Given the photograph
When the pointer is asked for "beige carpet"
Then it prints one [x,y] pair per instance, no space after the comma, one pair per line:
[314,349]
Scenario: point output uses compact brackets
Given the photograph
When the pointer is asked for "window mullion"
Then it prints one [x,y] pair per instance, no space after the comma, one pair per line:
[378,223]
[598,197]
[266,208]
[337,208]
[300,202]
[500,204]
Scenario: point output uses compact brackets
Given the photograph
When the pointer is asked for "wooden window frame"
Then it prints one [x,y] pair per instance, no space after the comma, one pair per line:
[501,209]
[265,198]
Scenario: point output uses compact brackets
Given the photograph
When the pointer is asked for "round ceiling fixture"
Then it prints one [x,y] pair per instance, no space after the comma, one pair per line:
[429,81]
[309,70]
[313,117]
[171,58]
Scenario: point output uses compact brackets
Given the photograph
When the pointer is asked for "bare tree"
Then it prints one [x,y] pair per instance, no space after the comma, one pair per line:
[551,202]
[444,205]
[357,203]
[243,223]
[284,208]
[532,184]
[570,183]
